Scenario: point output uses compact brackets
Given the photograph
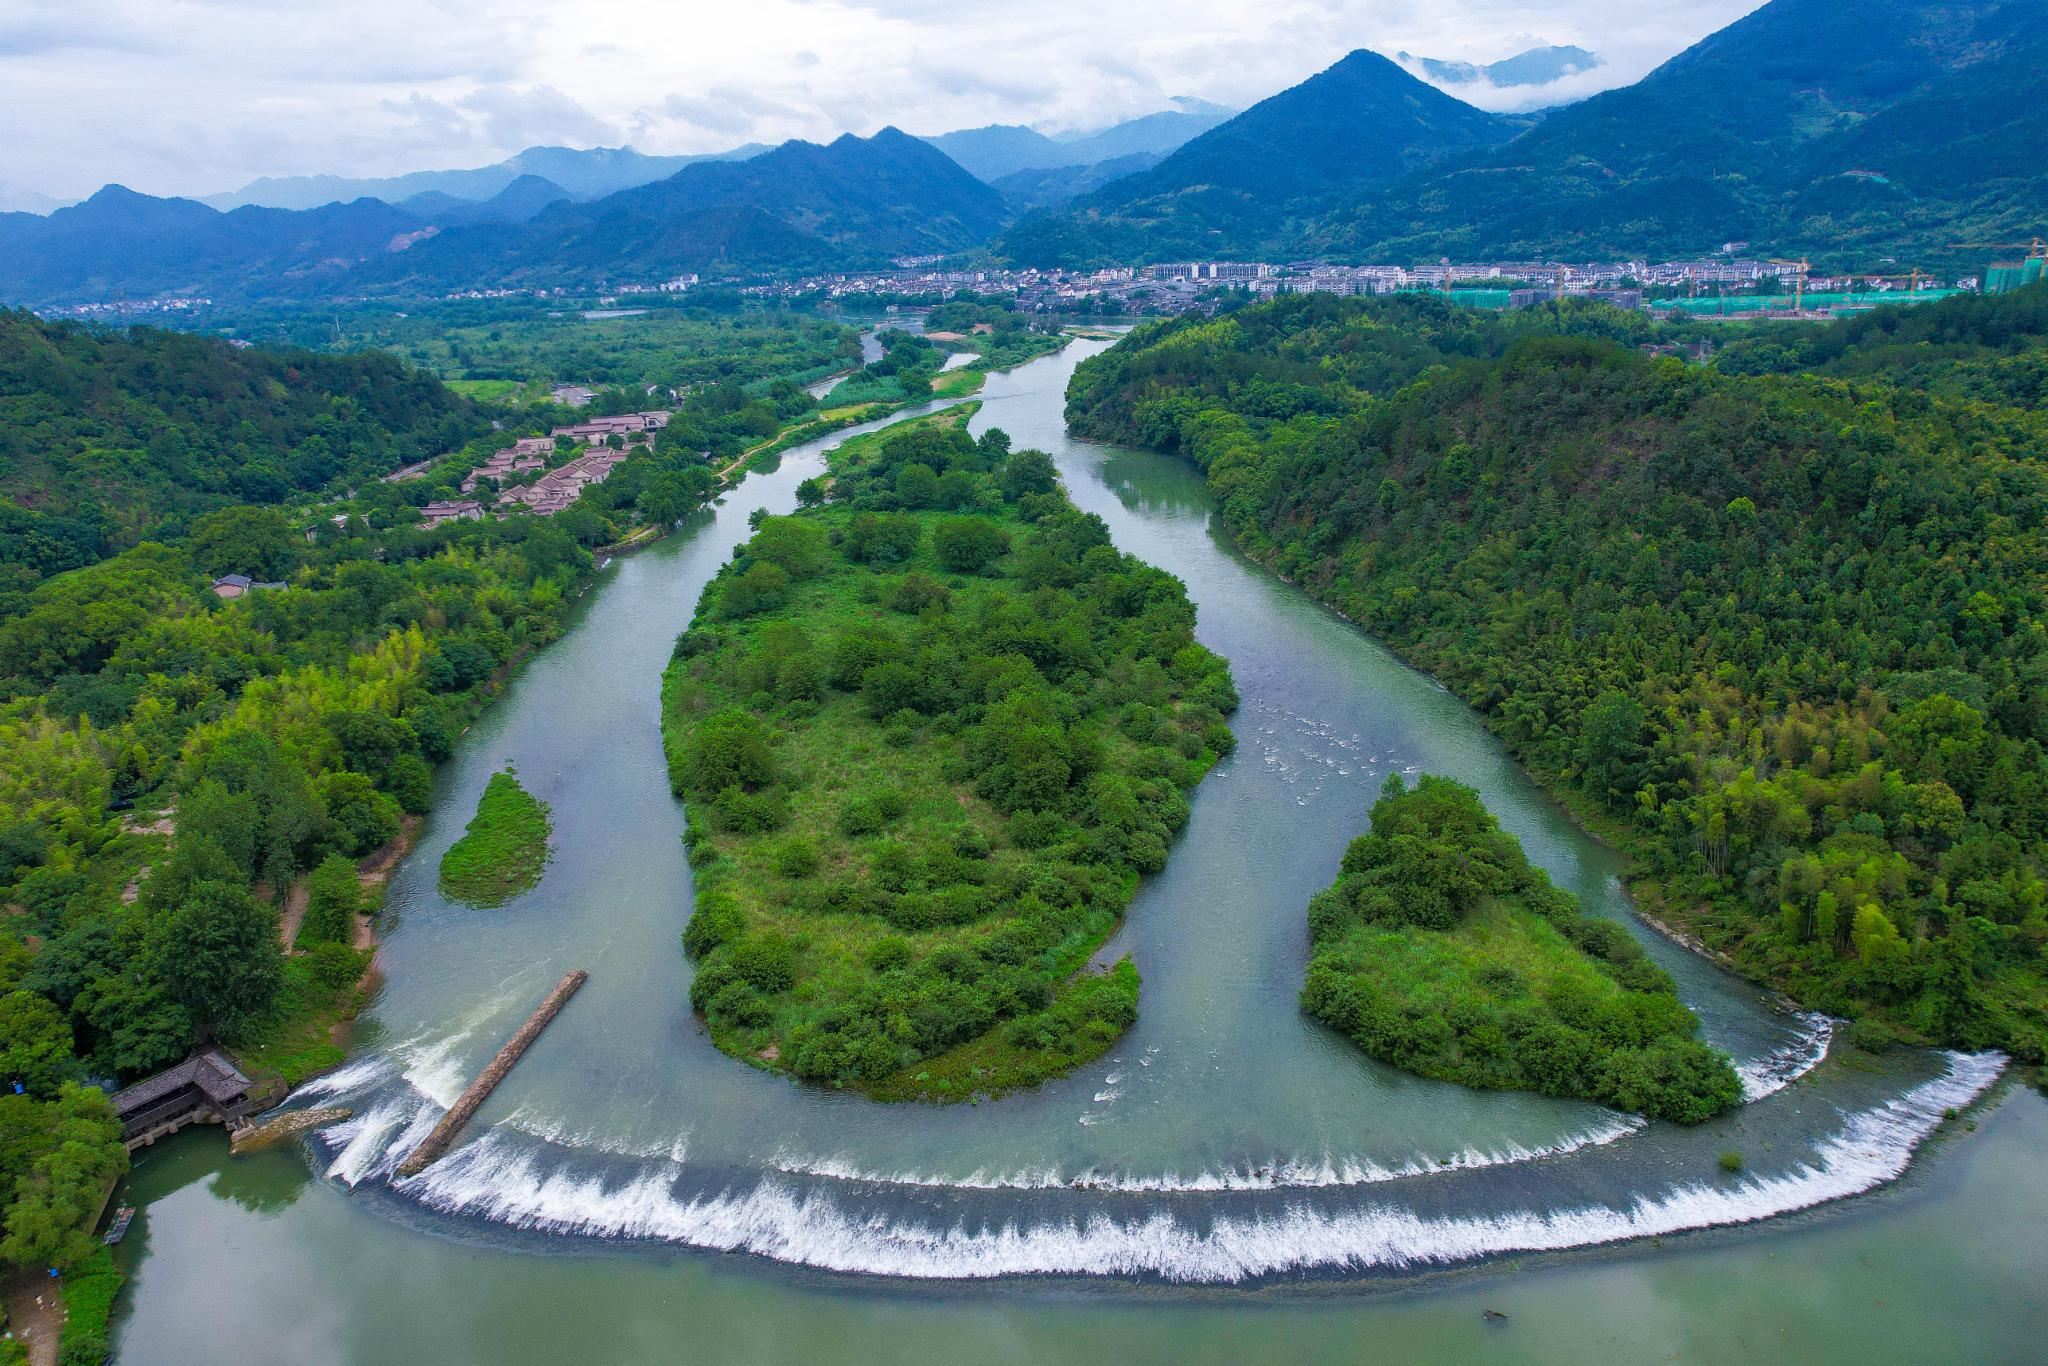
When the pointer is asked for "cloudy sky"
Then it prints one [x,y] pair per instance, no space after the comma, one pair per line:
[197,96]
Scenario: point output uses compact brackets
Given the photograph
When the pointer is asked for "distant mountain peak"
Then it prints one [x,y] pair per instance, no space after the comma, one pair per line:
[1537,66]
[1361,120]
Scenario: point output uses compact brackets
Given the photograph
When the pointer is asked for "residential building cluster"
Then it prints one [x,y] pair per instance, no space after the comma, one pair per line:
[1173,287]
[527,453]
[558,488]
[553,490]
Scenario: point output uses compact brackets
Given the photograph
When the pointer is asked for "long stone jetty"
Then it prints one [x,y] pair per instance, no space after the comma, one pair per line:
[438,1142]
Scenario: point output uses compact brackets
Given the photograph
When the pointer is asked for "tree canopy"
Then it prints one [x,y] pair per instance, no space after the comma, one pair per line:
[1782,634]
[925,767]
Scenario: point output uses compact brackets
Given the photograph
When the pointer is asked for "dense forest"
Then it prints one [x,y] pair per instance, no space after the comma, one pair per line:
[506,347]
[177,768]
[1443,951]
[931,730]
[1780,635]
[110,438]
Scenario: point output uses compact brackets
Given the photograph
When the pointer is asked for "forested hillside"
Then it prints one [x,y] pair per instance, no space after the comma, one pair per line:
[1809,125]
[177,769]
[108,438]
[1783,636]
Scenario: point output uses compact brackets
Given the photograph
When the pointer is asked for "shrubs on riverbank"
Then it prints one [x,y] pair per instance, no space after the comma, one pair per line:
[1443,951]
[502,850]
[931,735]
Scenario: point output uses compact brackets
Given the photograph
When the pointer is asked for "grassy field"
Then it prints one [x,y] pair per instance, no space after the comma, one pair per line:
[958,383]
[503,849]
[882,901]
[501,390]
[300,1042]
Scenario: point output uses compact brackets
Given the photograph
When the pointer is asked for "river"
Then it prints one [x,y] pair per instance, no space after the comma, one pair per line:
[1231,1180]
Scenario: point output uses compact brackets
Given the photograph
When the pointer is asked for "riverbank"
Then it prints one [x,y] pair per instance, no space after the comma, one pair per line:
[1568,802]
[310,1037]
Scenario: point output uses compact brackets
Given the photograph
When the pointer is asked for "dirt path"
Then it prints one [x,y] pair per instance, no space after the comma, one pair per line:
[35,1314]
[294,913]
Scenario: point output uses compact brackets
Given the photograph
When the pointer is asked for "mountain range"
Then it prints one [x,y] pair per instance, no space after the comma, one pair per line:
[801,206]
[1251,185]
[583,173]
[1003,149]
[1877,129]
[1881,127]
[1537,66]
[1885,129]
[856,201]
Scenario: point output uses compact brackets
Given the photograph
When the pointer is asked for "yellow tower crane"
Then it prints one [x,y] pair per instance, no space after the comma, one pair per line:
[1798,283]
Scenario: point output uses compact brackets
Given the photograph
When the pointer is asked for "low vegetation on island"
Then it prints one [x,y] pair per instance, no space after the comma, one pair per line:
[1443,951]
[503,849]
[932,730]
[1782,637]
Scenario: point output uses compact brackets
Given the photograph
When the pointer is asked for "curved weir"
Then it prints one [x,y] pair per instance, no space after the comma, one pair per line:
[1227,1138]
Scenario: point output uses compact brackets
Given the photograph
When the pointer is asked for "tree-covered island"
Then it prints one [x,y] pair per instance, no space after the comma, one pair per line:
[932,730]
[1442,950]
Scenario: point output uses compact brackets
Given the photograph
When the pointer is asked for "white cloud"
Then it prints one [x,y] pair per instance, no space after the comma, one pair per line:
[203,95]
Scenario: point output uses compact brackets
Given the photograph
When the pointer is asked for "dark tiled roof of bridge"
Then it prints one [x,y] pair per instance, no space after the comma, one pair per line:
[211,1071]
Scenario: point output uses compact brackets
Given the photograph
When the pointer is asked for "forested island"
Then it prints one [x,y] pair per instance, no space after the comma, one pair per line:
[932,730]
[1779,635]
[1443,951]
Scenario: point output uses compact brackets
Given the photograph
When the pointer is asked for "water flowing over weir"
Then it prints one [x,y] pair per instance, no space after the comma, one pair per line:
[1226,1139]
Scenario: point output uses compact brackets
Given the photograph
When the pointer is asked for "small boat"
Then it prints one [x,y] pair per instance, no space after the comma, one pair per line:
[117,1230]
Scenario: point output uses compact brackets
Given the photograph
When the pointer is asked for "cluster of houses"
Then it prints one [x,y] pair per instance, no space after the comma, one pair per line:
[1175,286]
[527,453]
[555,489]
[626,424]
[559,488]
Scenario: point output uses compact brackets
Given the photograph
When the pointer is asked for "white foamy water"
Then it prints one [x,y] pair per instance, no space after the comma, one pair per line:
[1289,1174]
[359,1075]
[1768,1075]
[551,1130]
[365,1146]
[492,1180]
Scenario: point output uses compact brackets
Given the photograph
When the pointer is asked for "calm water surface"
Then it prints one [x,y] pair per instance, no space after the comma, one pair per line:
[1227,1142]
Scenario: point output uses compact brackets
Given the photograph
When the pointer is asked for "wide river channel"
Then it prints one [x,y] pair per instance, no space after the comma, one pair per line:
[1232,1182]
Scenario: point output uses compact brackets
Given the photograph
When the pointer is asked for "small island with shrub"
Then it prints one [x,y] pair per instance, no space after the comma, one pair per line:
[1443,951]
[931,731]
[503,850]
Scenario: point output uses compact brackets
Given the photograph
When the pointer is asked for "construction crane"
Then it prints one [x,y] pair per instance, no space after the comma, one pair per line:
[1798,283]
[2033,249]
[2036,250]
